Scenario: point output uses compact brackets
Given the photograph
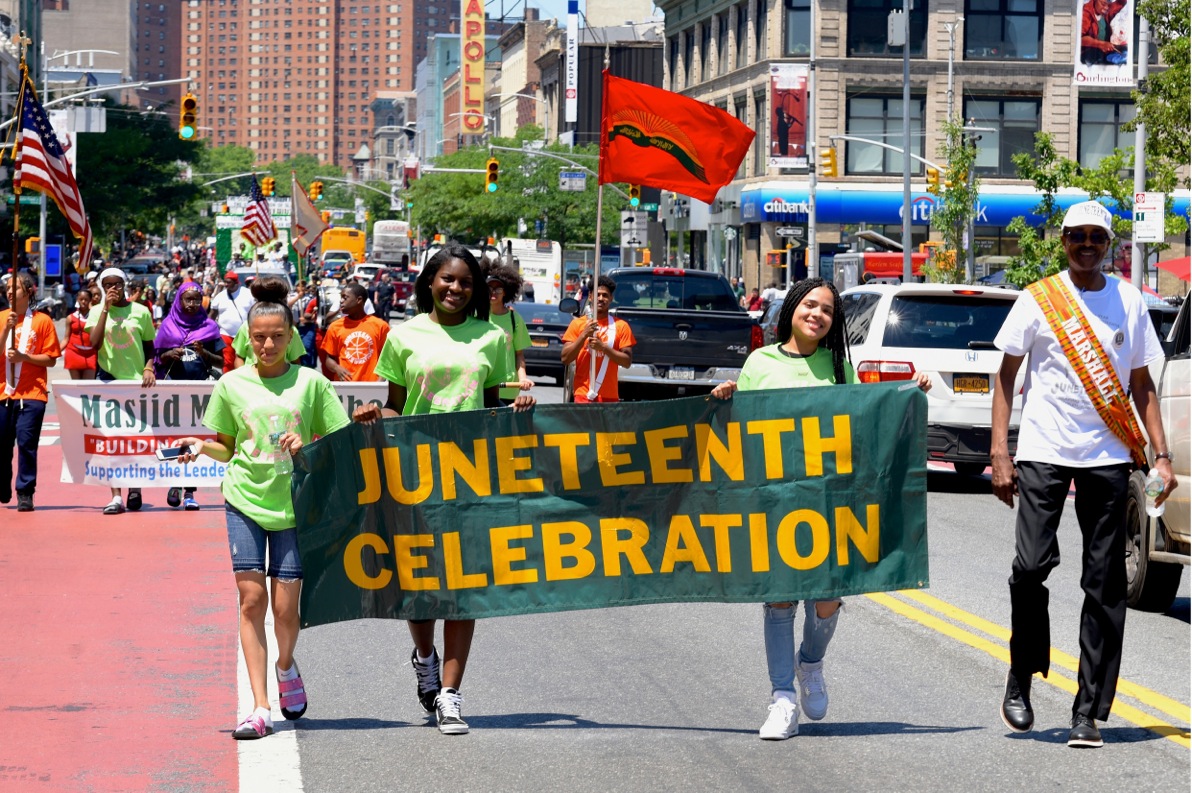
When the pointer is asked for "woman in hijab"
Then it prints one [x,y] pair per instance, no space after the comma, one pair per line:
[188,345]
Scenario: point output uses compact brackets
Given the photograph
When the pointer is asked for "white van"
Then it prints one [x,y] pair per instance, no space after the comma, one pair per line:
[541,266]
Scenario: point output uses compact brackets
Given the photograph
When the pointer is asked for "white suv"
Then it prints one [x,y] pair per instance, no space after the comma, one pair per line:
[947,330]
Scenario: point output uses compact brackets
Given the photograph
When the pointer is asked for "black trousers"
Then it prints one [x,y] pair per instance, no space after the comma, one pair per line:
[20,426]
[1101,512]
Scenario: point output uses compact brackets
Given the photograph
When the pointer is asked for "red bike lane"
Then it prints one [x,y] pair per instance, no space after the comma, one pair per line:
[118,651]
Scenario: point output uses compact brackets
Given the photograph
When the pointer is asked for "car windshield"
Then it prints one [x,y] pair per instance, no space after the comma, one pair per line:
[647,290]
[948,322]
[541,313]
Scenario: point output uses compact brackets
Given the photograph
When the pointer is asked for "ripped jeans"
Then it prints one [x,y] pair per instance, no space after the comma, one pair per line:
[780,640]
[248,541]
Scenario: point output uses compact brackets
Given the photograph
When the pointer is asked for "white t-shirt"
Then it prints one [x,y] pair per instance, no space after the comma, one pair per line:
[1059,425]
[231,312]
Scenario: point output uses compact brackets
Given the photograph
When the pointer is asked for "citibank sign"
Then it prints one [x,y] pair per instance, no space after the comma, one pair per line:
[779,206]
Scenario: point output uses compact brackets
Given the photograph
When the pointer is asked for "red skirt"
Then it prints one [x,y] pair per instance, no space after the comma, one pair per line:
[71,357]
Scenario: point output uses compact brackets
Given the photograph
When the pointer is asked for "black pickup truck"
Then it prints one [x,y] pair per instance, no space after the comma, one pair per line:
[691,333]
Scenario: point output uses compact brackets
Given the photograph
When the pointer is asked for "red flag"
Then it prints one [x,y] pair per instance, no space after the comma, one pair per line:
[661,139]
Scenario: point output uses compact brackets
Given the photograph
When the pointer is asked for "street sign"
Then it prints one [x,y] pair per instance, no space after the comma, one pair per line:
[1148,217]
[53,261]
[575,181]
[633,228]
[799,232]
[652,207]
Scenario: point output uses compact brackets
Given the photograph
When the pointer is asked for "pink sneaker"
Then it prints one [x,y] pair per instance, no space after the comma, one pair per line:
[293,697]
[252,728]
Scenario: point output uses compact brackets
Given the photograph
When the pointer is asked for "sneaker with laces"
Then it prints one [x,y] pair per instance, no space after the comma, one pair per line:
[813,691]
[782,720]
[24,502]
[447,712]
[429,683]
[1084,734]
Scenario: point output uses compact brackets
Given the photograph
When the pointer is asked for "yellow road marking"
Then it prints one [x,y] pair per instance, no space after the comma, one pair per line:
[1001,651]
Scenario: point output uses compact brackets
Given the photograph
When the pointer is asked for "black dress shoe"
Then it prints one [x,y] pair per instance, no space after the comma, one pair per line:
[24,502]
[1084,734]
[1016,705]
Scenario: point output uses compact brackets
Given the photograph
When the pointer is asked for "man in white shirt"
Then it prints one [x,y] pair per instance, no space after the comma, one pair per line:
[1064,439]
[229,308]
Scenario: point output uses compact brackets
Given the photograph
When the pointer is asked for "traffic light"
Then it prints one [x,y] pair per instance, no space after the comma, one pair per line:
[635,195]
[188,113]
[492,171]
[933,181]
[267,185]
[316,191]
[326,215]
[828,161]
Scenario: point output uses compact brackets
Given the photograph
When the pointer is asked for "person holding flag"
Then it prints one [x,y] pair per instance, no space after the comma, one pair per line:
[595,343]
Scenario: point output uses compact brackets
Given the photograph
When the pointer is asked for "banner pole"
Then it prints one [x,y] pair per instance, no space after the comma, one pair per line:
[595,278]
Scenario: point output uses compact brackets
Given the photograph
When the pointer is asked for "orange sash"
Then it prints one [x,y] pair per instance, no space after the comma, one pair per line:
[1092,364]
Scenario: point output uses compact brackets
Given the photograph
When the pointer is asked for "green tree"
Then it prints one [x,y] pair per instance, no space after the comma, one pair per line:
[959,187]
[1165,104]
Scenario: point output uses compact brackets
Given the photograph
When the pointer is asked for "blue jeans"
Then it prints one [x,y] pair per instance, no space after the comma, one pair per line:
[20,425]
[307,334]
[247,541]
[780,640]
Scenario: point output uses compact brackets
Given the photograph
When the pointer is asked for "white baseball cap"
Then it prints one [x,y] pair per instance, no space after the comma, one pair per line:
[1089,213]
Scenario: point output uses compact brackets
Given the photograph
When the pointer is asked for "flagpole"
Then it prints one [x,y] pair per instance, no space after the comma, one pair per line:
[599,223]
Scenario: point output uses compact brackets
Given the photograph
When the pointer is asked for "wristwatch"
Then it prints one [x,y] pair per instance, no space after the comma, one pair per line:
[1165,456]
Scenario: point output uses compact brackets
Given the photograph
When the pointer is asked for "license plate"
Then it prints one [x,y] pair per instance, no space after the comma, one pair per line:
[680,373]
[970,383]
[539,342]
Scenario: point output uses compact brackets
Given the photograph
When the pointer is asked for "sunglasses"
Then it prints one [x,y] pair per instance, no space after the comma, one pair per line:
[1095,237]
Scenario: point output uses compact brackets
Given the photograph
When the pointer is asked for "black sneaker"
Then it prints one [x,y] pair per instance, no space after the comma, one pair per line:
[429,683]
[1084,734]
[174,497]
[447,712]
[24,502]
[134,499]
[1016,704]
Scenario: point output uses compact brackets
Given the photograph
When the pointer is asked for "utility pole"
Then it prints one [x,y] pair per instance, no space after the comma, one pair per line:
[812,156]
[1137,259]
[907,271]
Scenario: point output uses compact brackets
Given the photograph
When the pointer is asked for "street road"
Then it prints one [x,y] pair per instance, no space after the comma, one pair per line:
[120,656]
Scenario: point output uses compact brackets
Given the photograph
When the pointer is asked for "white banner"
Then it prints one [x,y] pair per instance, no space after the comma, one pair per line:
[571,78]
[788,115]
[1104,42]
[111,431]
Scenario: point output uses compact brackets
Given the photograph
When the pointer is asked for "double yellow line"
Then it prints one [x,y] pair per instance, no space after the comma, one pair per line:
[995,642]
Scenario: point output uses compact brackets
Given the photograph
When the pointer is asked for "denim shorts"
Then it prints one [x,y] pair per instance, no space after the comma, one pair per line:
[247,541]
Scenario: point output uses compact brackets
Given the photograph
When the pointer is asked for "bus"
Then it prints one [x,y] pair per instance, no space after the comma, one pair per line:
[344,238]
[541,266]
[391,243]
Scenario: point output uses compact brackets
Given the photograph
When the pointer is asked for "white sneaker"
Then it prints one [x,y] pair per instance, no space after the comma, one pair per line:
[813,691]
[782,721]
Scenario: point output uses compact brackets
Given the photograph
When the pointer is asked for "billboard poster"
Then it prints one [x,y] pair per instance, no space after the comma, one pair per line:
[571,104]
[1105,43]
[471,60]
[788,115]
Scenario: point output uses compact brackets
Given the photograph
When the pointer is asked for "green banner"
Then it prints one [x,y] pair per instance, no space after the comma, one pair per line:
[770,496]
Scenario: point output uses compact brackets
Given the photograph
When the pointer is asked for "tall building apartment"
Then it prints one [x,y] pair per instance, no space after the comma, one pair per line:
[156,54]
[287,77]
[69,27]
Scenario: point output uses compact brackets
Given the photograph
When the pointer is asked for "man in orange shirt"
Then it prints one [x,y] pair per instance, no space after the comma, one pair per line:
[610,341]
[30,344]
[353,342]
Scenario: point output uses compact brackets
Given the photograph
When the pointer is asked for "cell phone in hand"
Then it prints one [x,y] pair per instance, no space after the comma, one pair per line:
[172,452]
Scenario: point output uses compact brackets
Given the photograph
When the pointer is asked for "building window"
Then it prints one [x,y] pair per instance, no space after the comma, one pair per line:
[797,20]
[705,50]
[1014,121]
[759,31]
[867,28]
[879,118]
[674,63]
[1003,29]
[688,57]
[742,34]
[760,121]
[722,43]
[1101,130]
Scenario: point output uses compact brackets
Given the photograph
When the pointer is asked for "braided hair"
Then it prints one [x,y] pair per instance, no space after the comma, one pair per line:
[833,340]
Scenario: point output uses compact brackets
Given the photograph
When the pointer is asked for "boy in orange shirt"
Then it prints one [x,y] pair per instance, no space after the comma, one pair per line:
[611,341]
[353,342]
[30,344]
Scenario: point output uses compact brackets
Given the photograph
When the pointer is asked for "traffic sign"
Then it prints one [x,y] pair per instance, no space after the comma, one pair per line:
[1148,217]
[575,181]
[649,207]
[633,228]
[799,232]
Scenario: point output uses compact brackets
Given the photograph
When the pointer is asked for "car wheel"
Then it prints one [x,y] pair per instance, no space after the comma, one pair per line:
[1150,585]
[969,469]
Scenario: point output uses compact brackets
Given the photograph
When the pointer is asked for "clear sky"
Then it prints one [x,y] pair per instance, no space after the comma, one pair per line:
[549,8]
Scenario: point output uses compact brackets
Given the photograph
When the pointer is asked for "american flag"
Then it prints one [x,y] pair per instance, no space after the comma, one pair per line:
[258,226]
[41,165]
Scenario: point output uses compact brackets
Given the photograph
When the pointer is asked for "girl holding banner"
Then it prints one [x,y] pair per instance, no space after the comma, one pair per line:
[811,351]
[448,358]
[262,414]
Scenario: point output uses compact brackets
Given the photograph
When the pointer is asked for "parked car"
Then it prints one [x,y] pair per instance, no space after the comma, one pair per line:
[251,272]
[403,286]
[1157,549]
[947,330]
[546,325]
[364,274]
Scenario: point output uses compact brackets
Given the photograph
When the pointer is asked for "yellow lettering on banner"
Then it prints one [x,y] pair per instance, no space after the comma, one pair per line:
[509,463]
[453,564]
[354,564]
[371,470]
[554,550]
[393,475]
[720,525]
[453,461]
[771,431]
[408,562]
[815,446]
[615,546]
[662,455]
[683,530]
[504,555]
[759,542]
[567,443]
[820,539]
[866,540]
[609,460]
[709,448]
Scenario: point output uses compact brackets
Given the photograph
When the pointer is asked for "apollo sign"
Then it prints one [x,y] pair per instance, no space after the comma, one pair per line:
[471,43]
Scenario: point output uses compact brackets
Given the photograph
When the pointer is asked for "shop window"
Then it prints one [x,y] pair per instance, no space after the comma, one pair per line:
[879,118]
[1014,123]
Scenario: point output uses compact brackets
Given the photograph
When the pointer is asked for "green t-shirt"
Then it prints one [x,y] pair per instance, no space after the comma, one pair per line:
[122,354]
[443,368]
[249,408]
[773,367]
[243,347]
[515,341]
